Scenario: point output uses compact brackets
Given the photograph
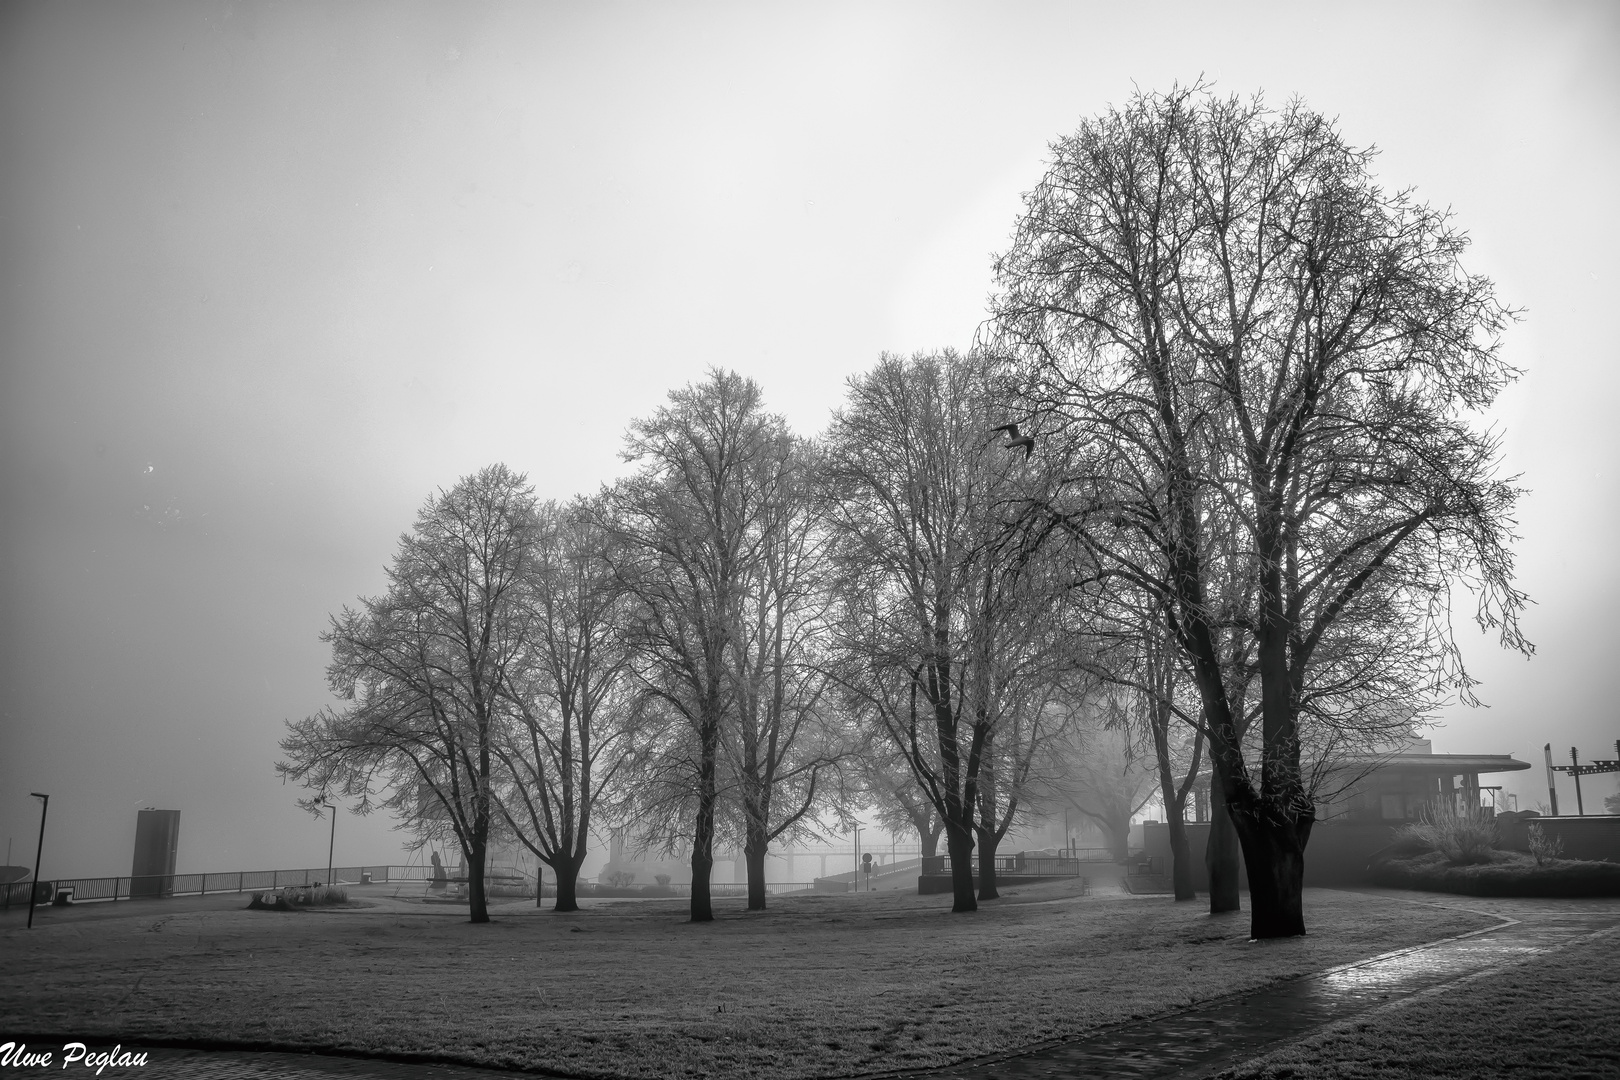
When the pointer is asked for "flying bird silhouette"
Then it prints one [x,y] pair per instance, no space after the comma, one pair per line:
[1015,440]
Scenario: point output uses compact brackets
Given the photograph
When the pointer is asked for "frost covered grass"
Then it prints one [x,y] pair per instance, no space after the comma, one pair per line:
[1552,1016]
[816,986]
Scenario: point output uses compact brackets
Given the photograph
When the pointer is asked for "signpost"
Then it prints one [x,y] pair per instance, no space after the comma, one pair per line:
[1577,770]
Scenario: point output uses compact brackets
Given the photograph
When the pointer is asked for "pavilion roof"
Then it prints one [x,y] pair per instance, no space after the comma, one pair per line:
[1451,764]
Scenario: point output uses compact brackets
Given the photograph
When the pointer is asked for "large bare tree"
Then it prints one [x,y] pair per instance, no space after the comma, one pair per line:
[571,719]
[688,526]
[424,667]
[917,486]
[1243,336]
[783,741]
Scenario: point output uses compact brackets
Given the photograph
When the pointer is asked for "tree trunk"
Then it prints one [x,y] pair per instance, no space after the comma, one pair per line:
[702,863]
[567,871]
[1181,876]
[987,865]
[754,852]
[703,832]
[959,844]
[1275,857]
[1119,839]
[477,905]
[930,841]
[1221,856]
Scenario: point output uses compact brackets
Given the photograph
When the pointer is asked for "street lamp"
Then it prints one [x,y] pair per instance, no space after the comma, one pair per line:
[857,858]
[332,841]
[33,886]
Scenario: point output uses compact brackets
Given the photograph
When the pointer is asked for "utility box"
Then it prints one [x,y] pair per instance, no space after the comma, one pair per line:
[157,843]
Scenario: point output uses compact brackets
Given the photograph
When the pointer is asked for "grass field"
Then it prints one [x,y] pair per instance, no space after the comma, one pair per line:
[817,986]
[1556,1015]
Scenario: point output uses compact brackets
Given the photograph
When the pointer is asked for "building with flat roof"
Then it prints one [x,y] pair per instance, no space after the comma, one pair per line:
[1395,787]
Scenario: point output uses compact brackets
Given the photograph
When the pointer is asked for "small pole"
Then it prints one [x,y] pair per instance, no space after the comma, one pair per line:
[1575,771]
[1552,790]
[33,886]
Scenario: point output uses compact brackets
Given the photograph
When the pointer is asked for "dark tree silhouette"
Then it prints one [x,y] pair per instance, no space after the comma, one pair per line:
[1266,366]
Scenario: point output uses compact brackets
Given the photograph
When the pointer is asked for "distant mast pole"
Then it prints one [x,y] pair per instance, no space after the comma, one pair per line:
[1575,771]
[1552,789]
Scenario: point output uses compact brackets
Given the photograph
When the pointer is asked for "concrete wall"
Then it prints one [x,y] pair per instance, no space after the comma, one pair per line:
[1336,854]
[1595,837]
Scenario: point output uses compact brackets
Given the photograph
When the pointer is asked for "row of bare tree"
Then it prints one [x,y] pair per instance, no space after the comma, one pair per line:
[749,635]
[1241,481]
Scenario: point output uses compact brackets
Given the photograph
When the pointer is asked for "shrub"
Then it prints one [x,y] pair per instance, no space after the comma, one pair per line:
[619,879]
[1416,838]
[1509,873]
[662,879]
[293,898]
[1543,849]
[1464,837]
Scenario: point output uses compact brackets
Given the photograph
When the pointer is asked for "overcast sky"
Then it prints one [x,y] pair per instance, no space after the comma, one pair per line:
[270,274]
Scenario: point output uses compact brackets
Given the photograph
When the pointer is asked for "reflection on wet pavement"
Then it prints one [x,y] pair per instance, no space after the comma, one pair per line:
[1208,1038]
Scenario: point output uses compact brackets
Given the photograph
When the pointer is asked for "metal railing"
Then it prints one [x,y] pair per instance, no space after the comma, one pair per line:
[156,886]
[1012,866]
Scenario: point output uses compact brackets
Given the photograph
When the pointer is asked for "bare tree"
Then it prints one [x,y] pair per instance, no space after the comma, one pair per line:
[1019,769]
[1109,776]
[899,805]
[782,742]
[1244,336]
[1029,662]
[688,524]
[571,718]
[424,667]
[916,486]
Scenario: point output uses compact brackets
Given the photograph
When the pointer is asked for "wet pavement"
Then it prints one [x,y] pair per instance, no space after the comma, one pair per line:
[1192,1043]
[1203,1040]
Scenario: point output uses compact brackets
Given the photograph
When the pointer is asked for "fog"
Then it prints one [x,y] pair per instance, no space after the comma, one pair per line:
[272,274]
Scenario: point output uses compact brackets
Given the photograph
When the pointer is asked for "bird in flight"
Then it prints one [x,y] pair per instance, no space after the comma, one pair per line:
[1015,440]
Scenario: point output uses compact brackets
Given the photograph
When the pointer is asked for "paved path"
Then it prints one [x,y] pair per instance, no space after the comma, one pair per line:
[1192,1043]
[1200,1041]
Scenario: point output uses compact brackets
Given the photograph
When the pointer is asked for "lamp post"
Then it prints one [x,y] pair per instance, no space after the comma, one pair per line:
[857,858]
[332,841]
[33,886]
